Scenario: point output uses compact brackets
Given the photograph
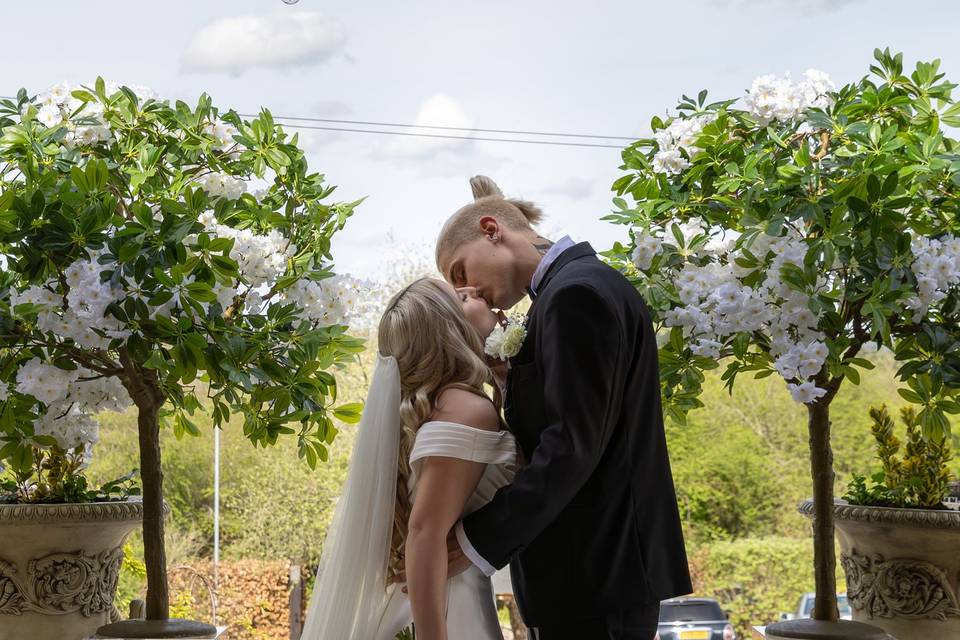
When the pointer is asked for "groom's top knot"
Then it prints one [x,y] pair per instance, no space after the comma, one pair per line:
[485,190]
[464,225]
[483,186]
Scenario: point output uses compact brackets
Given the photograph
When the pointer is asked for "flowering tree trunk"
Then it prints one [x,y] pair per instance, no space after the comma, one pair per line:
[145,391]
[821,468]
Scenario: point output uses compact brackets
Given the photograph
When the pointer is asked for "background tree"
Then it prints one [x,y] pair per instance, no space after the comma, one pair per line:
[139,267]
[784,235]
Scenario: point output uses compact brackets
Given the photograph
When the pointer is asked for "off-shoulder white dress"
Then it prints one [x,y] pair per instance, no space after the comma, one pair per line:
[471,608]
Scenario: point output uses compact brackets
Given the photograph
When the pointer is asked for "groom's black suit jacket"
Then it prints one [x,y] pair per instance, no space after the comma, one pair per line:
[590,525]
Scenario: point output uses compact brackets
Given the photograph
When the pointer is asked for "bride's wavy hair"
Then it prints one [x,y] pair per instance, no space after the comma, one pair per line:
[436,348]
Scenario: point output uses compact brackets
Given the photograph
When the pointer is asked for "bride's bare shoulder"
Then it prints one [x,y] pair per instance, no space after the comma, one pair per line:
[465,407]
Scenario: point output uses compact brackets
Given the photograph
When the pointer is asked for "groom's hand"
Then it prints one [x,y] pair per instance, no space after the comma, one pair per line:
[457,562]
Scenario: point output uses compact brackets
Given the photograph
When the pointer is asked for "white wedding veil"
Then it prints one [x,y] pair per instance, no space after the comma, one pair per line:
[350,593]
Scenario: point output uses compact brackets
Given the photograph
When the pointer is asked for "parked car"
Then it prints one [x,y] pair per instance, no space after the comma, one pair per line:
[805,607]
[693,619]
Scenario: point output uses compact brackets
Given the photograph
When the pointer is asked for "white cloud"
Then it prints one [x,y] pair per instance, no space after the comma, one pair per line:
[440,111]
[283,40]
[441,157]
[331,109]
[575,188]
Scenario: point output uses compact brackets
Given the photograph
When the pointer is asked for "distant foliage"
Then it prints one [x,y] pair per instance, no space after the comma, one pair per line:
[755,579]
[725,484]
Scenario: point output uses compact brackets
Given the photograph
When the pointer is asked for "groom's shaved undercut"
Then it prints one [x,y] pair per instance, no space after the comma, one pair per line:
[464,225]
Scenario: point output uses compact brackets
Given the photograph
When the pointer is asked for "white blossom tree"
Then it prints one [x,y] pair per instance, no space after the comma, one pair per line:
[140,269]
[785,235]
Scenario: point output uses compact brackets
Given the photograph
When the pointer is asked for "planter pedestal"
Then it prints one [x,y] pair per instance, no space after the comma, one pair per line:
[59,565]
[819,630]
[219,632]
[902,568]
[157,629]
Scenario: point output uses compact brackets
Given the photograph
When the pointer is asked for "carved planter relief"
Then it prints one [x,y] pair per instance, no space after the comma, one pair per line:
[59,567]
[902,568]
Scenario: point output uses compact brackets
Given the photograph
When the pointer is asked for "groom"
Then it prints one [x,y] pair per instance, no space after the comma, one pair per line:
[590,525]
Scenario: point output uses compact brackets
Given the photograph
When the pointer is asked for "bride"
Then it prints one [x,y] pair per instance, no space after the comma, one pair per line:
[431,448]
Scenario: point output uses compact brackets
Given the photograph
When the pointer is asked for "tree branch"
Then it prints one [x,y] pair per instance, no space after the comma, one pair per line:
[824,145]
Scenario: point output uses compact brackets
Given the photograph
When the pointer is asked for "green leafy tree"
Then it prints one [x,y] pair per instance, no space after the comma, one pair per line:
[139,268]
[783,235]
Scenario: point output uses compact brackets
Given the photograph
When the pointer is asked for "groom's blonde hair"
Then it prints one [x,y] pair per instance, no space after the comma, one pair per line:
[436,348]
[464,225]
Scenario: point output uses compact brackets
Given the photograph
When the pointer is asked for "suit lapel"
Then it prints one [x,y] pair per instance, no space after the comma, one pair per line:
[579,250]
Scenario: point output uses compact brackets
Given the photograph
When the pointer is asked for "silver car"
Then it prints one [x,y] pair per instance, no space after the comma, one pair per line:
[805,607]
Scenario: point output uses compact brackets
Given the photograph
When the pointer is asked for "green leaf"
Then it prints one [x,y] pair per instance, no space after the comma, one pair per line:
[278,157]
[910,396]
[858,205]
[852,375]
[80,179]
[776,138]
[349,413]
[83,95]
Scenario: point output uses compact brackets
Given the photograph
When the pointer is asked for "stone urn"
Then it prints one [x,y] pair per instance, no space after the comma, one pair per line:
[59,565]
[902,568]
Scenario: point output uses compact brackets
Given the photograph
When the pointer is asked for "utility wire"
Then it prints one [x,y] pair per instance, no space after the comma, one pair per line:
[427,126]
[445,137]
[438,135]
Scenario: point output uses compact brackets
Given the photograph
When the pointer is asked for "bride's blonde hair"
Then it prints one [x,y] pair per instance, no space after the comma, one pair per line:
[436,348]
[464,225]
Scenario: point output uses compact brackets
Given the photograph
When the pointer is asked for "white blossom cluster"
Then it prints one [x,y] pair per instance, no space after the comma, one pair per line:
[71,398]
[648,246]
[774,98]
[937,269]
[224,185]
[716,304]
[680,135]
[57,106]
[261,258]
[85,123]
[222,132]
[329,301]
[85,312]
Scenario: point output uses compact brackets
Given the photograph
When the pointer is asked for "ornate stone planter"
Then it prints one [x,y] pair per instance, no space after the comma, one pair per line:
[59,565]
[902,568]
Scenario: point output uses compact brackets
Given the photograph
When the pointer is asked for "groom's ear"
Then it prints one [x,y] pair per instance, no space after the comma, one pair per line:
[490,226]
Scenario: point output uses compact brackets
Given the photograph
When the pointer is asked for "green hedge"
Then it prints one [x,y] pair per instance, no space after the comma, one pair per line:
[755,579]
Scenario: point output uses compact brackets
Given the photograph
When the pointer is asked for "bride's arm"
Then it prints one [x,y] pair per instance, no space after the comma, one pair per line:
[443,488]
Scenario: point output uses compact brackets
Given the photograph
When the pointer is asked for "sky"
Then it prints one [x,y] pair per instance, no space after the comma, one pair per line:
[601,67]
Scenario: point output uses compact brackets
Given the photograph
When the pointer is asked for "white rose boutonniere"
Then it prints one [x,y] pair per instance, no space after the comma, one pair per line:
[505,341]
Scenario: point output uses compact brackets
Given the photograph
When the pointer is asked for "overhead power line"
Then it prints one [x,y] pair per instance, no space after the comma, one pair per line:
[467,138]
[428,126]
